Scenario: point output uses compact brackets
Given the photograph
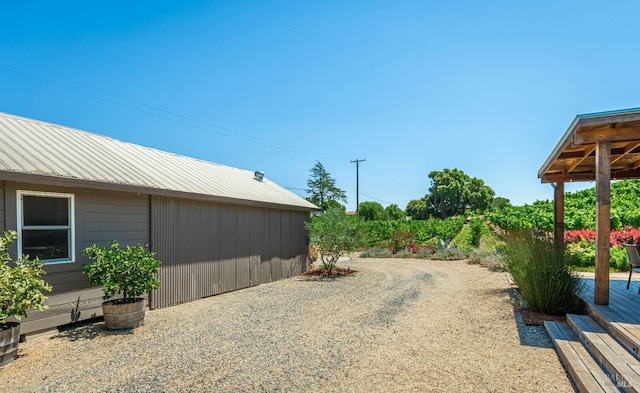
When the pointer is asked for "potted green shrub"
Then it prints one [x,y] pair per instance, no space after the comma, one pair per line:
[20,290]
[127,272]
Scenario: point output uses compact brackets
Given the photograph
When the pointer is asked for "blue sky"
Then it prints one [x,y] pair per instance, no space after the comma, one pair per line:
[410,86]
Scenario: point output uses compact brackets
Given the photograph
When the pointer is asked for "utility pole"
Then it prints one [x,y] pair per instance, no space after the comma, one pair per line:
[357,162]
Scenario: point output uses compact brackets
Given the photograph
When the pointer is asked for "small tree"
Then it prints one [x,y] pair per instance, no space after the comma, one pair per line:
[393,212]
[335,232]
[371,211]
[127,271]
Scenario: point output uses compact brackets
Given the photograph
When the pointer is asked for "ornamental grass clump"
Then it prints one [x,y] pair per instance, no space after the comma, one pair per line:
[545,284]
[20,285]
[128,271]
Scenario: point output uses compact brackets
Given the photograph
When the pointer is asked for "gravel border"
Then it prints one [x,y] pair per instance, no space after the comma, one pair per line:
[396,325]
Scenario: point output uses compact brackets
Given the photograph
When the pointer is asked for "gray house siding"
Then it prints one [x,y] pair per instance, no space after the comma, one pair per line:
[208,248]
[2,208]
[99,218]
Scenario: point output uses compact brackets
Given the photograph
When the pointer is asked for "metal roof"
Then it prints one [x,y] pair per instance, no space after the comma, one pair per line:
[574,157]
[39,152]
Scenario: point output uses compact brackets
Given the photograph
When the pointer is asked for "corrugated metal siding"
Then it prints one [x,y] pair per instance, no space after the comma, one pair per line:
[255,257]
[243,247]
[274,244]
[228,239]
[207,248]
[43,149]
[3,225]
[265,248]
[302,241]
[285,244]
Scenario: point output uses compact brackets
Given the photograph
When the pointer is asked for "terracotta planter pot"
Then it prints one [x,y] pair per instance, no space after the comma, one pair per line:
[123,313]
[9,338]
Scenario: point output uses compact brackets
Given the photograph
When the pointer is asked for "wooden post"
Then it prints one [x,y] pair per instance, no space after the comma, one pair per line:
[603,221]
[558,216]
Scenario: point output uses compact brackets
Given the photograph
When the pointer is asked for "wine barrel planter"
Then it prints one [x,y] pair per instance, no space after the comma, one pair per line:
[123,313]
[9,338]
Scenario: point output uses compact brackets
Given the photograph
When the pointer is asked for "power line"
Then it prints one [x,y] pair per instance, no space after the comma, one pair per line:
[208,127]
[379,200]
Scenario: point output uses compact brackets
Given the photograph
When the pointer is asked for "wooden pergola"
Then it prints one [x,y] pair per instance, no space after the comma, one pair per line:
[596,147]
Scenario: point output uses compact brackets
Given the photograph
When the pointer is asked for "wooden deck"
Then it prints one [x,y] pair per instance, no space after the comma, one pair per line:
[623,302]
[600,350]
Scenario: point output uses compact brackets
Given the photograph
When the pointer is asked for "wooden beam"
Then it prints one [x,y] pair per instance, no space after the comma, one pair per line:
[613,118]
[567,177]
[611,134]
[567,155]
[603,221]
[589,176]
[558,216]
[627,149]
[578,161]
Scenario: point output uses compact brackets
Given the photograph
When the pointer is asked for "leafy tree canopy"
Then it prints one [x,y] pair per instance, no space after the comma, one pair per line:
[499,203]
[393,212]
[371,211]
[452,192]
[322,190]
[334,232]
[417,209]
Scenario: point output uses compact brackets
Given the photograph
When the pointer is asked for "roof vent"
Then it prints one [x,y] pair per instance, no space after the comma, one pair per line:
[258,175]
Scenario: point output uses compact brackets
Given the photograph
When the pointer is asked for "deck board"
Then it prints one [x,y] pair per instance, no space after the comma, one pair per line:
[621,318]
[585,372]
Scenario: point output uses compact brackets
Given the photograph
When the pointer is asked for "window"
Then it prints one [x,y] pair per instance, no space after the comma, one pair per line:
[45,226]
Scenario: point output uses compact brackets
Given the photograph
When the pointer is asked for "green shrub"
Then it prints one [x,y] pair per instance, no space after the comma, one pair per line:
[400,241]
[489,259]
[619,260]
[404,254]
[477,228]
[128,271]
[540,270]
[20,285]
[379,232]
[377,252]
[426,251]
[335,232]
[582,255]
[450,254]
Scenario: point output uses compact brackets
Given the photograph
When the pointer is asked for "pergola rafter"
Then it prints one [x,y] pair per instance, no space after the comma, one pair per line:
[596,147]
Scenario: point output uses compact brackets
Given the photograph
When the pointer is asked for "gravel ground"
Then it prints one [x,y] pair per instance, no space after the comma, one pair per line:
[394,326]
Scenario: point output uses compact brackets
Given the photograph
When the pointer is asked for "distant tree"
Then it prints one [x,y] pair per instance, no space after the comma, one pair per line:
[393,212]
[452,192]
[322,188]
[332,203]
[417,209]
[480,195]
[370,211]
[499,203]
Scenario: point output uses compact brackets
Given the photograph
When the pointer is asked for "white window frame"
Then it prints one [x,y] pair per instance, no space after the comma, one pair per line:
[70,227]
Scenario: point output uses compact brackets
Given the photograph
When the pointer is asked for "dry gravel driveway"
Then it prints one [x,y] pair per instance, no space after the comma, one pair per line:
[395,326]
